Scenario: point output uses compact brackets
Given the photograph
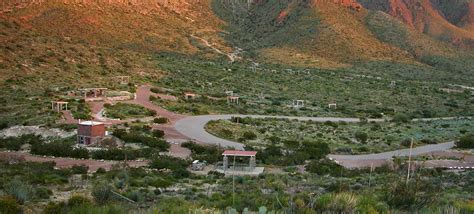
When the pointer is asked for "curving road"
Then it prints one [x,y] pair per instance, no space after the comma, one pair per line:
[193,128]
[182,127]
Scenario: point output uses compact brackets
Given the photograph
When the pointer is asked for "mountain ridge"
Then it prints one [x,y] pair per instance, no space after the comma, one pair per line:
[318,33]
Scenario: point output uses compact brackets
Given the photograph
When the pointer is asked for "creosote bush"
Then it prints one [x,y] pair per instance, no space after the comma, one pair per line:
[466,141]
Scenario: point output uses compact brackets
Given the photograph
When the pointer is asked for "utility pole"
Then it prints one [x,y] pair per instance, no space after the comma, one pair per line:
[409,161]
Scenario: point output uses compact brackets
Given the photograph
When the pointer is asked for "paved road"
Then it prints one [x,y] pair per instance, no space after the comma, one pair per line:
[193,128]
[398,153]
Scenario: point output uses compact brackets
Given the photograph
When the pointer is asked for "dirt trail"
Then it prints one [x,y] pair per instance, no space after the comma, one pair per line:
[231,56]
[68,118]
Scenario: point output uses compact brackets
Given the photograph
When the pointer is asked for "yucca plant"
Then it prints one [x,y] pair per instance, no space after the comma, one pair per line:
[19,190]
[337,202]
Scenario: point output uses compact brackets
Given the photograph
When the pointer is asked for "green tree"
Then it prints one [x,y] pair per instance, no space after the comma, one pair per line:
[361,136]
[316,150]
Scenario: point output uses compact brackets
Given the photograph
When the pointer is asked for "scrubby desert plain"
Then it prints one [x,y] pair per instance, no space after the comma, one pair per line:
[352,106]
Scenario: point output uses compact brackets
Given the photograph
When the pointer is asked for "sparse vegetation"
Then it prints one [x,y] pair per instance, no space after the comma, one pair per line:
[124,111]
[353,138]
[466,141]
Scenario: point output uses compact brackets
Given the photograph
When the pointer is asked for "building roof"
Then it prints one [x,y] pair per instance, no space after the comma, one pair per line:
[239,153]
[90,123]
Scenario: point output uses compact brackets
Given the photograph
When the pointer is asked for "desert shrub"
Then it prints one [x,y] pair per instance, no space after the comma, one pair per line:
[78,200]
[11,143]
[119,133]
[153,98]
[270,155]
[227,133]
[156,90]
[160,182]
[43,193]
[332,124]
[158,133]
[160,120]
[79,169]
[406,142]
[466,142]
[466,206]
[324,167]
[100,171]
[82,110]
[15,143]
[3,125]
[248,135]
[337,203]
[125,110]
[417,194]
[401,118]
[361,136]
[18,190]
[181,173]
[315,150]
[135,196]
[8,205]
[105,209]
[216,174]
[115,154]
[429,141]
[291,144]
[59,149]
[168,162]
[208,153]
[370,204]
[134,136]
[55,208]
[102,193]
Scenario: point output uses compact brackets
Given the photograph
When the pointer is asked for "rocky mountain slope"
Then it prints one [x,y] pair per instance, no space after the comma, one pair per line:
[318,33]
[445,20]
[163,25]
